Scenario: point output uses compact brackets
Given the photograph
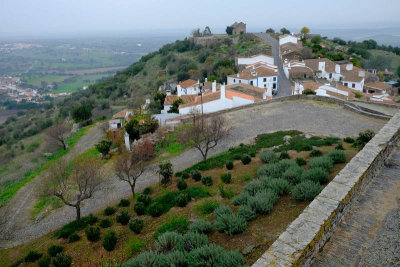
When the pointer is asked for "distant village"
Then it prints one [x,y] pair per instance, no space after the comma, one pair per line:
[11,86]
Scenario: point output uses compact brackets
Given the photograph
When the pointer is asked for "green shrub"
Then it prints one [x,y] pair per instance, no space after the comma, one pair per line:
[222,210]
[293,174]
[110,240]
[284,155]
[268,156]
[246,159]
[226,177]
[349,140]
[315,153]
[155,210]
[105,223]
[147,258]
[308,92]
[207,207]
[70,228]
[73,238]
[134,244]
[193,240]
[109,211]
[229,164]
[136,225]
[275,170]
[147,191]
[237,157]
[176,258]
[44,261]
[181,184]
[17,263]
[145,199]
[124,202]
[213,255]
[241,199]
[226,193]
[139,208]
[279,186]
[263,202]
[207,180]
[339,147]
[177,224]
[123,217]
[196,175]
[317,175]
[185,175]
[306,191]
[253,187]
[182,200]
[62,260]
[53,250]
[301,161]
[247,213]
[91,219]
[322,162]
[201,226]
[168,242]
[32,256]
[92,233]
[338,156]
[230,224]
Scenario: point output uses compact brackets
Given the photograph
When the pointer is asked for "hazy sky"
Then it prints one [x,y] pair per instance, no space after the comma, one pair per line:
[50,17]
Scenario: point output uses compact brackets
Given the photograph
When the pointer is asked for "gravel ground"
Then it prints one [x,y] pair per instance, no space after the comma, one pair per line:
[307,116]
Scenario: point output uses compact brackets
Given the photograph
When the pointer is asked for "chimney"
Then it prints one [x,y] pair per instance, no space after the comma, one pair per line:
[179,90]
[223,92]
[361,73]
[237,75]
[349,66]
[321,66]
[214,86]
[337,68]
[206,80]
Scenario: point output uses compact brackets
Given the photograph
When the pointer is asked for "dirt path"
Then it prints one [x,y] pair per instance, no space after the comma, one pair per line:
[17,213]
[306,116]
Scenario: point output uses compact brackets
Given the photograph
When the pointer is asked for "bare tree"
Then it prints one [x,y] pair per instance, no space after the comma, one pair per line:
[74,187]
[58,132]
[206,133]
[129,166]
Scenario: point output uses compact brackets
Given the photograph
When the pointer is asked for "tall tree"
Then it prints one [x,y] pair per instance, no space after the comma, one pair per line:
[206,133]
[285,31]
[57,134]
[270,31]
[304,31]
[229,30]
[75,186]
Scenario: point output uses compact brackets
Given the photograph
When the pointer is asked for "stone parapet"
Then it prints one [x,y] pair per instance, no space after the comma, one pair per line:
[303,238]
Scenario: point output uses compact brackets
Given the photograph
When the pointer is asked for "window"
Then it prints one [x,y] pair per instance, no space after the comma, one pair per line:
[345,84]
[274,79]
[265,85]
[353,85]
[234,80]
[251,82]
[274,86]
[265,79]
[330,75]
[305,76]
[240,81]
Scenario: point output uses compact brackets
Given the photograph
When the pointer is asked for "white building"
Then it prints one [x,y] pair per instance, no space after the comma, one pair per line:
[288,38]
[228,97]
[188,87]
[259,75]
[260,58]
[114,124]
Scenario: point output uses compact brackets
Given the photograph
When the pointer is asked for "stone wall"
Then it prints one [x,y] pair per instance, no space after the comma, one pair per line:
[303,238]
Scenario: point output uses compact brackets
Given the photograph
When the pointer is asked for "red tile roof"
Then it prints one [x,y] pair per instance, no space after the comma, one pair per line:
[188,83]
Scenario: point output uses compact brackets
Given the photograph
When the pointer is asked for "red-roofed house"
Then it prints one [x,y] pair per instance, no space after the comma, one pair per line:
[228,97]
[188,87]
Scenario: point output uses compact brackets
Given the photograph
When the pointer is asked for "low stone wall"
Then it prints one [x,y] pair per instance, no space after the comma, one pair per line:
[303,238]
[345,104]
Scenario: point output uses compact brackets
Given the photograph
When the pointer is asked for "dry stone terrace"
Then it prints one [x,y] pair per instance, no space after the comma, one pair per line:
[312,117]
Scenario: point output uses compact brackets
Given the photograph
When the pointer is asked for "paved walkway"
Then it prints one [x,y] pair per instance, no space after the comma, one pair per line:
[284,88]
[370,233]
[315,118]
